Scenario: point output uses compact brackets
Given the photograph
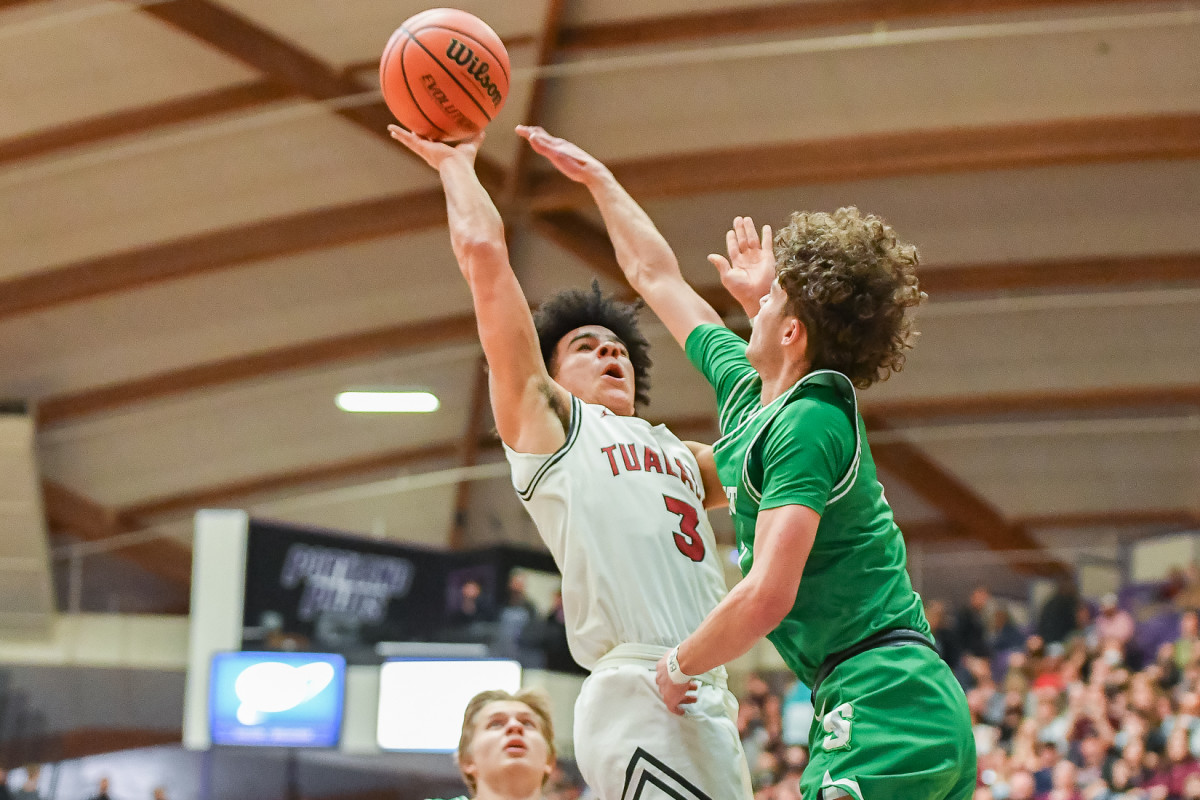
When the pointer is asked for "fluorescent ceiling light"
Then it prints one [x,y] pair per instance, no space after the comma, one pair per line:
[388,402]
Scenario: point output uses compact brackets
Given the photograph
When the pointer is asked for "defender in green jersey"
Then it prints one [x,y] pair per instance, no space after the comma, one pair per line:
[824,563]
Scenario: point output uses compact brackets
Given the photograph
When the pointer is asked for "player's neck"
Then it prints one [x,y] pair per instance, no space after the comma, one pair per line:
[777,381]
[515,791]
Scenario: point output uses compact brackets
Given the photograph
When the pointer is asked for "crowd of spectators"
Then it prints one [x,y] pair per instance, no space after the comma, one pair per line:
[1089,701]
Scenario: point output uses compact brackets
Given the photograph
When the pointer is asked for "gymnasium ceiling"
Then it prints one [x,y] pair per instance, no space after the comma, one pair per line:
[207,234]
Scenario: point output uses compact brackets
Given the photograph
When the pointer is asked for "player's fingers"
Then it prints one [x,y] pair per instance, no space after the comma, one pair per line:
[747,236]
[731,243]
[768,238]
[720,262]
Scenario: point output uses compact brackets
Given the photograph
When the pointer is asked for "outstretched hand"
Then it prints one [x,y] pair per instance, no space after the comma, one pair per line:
[750,268]
[569,159]
[435,153]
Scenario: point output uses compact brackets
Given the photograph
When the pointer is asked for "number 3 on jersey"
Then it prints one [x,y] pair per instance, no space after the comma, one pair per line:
[687,538]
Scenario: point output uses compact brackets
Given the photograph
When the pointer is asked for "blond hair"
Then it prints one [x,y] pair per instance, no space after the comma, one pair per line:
[538,702]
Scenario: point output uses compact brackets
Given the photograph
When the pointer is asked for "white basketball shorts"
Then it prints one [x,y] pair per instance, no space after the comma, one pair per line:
[630,747]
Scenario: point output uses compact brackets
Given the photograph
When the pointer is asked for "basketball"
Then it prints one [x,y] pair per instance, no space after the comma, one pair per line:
[444,74]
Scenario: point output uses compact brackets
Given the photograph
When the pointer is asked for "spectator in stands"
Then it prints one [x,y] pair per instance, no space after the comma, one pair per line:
[518,632]
[1175,769]
[1187,646]
[1113,623]
[5,794]
[1020,786]
[1060,613]
[1005,635]
[160,793]
[29,790]
[971,624]
[554,639]
[472,616]
[1064,780]
[945,639]
[102,790]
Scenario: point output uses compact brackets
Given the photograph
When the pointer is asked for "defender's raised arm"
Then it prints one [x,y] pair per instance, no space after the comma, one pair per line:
[643,254]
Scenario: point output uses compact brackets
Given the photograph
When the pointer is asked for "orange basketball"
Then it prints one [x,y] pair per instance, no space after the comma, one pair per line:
[444,74]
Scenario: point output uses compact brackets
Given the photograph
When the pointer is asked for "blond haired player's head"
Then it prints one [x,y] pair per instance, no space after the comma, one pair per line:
[507,745]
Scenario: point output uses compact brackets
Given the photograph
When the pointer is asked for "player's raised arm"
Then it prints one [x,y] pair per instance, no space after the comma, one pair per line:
[531,410]
[643,254]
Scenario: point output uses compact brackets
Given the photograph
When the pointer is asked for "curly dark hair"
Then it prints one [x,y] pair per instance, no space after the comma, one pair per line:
[850,280]
[575,308]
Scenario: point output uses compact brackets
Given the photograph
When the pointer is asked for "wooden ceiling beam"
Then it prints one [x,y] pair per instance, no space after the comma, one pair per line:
[70,512]
[547,43]
[1092,272]
[1178,518]
[389,341]
[469,453]
[207,252]
[1111,398]
[956,501]
[175,111]
[780,18]
[885,155]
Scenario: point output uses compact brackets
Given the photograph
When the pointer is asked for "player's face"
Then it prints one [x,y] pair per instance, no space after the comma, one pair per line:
[593,364]
[508,748]
[762,351]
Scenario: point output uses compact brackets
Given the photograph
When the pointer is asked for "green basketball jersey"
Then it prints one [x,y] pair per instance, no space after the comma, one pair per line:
[808,447]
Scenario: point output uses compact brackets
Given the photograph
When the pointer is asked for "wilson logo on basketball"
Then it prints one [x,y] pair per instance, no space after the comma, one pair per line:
[465,57]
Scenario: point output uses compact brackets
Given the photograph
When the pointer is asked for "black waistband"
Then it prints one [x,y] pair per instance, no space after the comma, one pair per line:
[889,638]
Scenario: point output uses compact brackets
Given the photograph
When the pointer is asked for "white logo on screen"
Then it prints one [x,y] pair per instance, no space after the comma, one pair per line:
[271,687]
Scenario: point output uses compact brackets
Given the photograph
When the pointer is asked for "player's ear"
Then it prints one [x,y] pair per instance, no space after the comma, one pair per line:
[793,332]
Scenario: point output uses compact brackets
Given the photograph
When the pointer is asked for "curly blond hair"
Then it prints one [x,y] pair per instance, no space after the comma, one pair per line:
[850,280]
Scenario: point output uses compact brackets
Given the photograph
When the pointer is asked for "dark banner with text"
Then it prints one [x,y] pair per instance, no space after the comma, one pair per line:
[317,591]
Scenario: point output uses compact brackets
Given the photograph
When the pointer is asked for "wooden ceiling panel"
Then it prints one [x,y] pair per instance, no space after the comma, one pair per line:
[253,429]
[605,24]
[1075,342]
[107,58]
[545,268]
[591,12]
[351,31]
[1119,466]
[697,101]
[988,217]
[198,180]
[220,315]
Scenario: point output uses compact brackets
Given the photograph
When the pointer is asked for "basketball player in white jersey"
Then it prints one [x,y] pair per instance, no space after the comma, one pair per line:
[618,501]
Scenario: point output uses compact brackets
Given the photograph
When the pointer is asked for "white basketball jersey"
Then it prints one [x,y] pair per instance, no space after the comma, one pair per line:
[620,505]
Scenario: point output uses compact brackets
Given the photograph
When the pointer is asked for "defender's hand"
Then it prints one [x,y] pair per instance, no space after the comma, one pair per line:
[750,268]
[569,159]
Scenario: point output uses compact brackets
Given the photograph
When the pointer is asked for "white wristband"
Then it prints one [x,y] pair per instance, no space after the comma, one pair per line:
[677,675]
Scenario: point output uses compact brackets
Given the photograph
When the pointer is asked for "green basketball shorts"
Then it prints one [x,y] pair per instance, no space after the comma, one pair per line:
[891,724]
